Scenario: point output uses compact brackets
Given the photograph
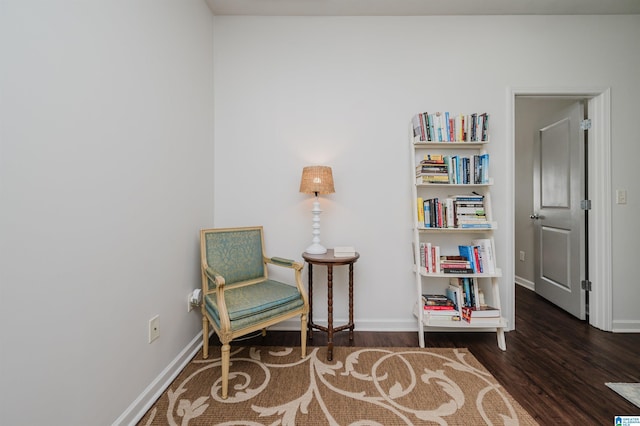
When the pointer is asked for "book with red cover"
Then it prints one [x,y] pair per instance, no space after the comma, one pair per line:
[439,308]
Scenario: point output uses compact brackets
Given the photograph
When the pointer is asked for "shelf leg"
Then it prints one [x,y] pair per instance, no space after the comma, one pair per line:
[502,344]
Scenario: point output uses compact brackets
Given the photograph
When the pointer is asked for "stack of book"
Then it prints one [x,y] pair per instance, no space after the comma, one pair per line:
[483,315]
[344,251]
[433,169]
[454,264]
[440,307]
[470,212]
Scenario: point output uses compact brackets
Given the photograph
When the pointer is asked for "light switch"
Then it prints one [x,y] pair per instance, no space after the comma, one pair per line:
[621,196]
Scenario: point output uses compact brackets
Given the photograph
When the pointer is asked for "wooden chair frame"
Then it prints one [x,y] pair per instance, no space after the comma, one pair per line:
[225,332]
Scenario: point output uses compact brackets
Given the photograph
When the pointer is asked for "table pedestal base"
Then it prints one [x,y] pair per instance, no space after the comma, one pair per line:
[329,261]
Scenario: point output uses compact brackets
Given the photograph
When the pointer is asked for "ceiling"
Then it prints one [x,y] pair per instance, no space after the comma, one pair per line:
[422,7]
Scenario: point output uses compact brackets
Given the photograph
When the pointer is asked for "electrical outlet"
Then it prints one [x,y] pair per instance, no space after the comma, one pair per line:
[154,328]
[521,256]
[194,299]
[621,196]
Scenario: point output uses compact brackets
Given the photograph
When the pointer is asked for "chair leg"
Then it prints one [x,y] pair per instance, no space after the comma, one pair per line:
[303,334]
[226,354]
[205,337]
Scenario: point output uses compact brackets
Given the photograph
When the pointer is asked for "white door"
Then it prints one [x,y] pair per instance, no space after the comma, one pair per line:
[559,220]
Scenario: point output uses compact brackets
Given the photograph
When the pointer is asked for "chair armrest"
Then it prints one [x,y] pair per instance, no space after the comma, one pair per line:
[297,269]
[281,261]
[213,276]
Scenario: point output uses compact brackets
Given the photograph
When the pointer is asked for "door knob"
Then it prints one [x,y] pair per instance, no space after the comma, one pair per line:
[534,216]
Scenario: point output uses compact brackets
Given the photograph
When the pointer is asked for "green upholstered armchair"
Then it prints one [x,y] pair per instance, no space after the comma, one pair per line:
[238,296]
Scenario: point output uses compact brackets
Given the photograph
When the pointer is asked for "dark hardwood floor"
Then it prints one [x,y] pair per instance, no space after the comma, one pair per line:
[555,365]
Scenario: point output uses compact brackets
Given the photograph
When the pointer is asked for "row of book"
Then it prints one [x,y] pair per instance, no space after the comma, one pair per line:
[448,127]
[455,211]
[476,258]
[464,291]
[453,169]
[480,255]
[469,300]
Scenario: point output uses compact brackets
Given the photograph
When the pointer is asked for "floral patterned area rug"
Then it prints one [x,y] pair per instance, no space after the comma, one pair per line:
[360,386]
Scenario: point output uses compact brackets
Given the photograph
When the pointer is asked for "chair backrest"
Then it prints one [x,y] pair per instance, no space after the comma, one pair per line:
[234,253]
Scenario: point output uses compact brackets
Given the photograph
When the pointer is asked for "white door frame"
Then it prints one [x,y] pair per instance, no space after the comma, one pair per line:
[599,181]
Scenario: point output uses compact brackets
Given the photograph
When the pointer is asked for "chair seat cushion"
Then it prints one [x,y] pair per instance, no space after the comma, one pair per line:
[257,302]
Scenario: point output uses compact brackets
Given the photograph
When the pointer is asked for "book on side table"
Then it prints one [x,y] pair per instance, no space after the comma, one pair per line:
[344,251]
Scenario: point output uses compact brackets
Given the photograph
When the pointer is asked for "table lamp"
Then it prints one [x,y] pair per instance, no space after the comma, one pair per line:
[316,180]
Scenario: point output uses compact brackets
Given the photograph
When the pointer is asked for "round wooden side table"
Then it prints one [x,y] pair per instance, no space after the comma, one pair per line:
[329,260]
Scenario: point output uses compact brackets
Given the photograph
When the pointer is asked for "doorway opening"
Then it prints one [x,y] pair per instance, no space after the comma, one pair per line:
[524,104]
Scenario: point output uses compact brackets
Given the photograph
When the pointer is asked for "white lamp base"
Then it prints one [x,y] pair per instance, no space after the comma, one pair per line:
[316,249]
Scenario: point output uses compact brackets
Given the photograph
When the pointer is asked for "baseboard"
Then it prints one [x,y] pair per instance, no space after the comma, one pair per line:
[626,326]
[525,283]
[361,325]
[375,325]
[148,397]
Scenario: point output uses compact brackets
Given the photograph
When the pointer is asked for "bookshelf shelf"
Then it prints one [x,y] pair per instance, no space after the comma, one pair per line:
[492,227]
[458,185]
[465,198]
[458,325]
[421,271]
[449,145]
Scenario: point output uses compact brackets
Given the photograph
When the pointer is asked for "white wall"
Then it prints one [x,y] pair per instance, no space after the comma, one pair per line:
[292,91]
[106,146]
